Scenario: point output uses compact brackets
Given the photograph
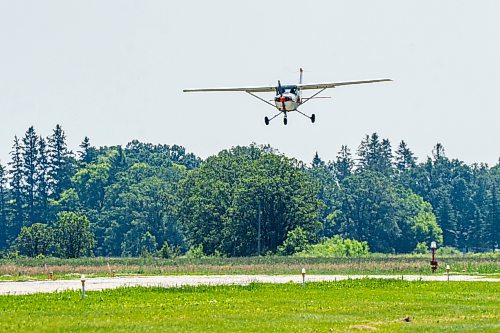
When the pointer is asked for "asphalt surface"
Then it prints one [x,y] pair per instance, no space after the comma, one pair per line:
[94,284]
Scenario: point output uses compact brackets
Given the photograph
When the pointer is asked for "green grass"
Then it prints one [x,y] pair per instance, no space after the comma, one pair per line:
[347,306]
[30,268]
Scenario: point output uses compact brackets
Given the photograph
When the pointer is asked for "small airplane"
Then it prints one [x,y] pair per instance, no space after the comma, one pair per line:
[288,97]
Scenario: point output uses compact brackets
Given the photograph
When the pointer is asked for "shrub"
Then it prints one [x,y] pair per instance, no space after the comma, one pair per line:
[336,247]
[421,248]
[447,250]
[195,252]
[297,240]
[168,252]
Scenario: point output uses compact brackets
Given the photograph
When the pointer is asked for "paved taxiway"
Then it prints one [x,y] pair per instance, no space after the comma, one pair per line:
[93,284]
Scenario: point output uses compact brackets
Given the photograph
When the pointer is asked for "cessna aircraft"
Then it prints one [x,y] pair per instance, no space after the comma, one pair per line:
[288,97]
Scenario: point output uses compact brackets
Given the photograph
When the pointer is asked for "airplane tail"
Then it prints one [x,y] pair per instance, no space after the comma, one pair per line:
[301,74]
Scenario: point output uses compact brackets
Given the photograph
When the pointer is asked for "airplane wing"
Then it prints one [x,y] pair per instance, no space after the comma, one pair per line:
[337,84]
[246,89]
[273,88]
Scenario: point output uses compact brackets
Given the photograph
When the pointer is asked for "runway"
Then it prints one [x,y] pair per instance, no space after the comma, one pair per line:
[101,283]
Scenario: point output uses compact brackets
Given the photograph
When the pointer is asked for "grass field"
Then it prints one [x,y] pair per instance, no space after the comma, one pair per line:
[29,268]
[347,306]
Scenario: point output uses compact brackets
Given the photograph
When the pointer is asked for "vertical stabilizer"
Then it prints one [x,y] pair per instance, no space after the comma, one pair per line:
[301,73]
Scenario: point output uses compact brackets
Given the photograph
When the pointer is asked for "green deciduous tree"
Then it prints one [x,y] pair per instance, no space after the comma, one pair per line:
[90,183]
[418,223]
[223,201]
[372,208]
[140,201]
[160,155]
[74,237]
[35,240]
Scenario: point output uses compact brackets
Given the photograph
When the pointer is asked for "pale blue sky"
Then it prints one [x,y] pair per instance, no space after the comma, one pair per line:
[115,70]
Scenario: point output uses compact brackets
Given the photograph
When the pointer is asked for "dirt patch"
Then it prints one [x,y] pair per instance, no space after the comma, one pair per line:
[363,327]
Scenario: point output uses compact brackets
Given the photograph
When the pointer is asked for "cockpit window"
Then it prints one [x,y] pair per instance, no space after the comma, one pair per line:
[288,89]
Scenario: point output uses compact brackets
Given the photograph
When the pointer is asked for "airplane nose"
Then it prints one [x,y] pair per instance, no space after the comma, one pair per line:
[282,98]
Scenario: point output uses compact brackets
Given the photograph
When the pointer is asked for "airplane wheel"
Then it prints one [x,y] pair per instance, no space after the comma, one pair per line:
[285,121]
[266,120]
[313,118]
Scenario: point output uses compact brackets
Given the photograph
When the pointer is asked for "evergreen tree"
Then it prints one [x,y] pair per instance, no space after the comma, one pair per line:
[445,215]
[16,185]
[385,159]
[492,218]
[375,155]
[317,162]
[372,208]
[3,207]
[404,157]
[87,152]
[324,175]
[461,200]
[438,152]
[42,191]
[60,163]
[344,164]
[363,153]
[29,170]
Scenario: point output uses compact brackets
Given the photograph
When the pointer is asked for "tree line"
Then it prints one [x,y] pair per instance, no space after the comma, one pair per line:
[144,198]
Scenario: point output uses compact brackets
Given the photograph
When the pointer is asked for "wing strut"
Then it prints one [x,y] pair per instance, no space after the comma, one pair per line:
[316,94]
[263,100]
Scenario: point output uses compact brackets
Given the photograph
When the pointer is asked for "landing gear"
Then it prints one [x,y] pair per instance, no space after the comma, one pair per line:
[312,117]
[267,120]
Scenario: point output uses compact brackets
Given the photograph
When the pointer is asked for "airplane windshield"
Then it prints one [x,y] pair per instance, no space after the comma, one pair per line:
[289,89]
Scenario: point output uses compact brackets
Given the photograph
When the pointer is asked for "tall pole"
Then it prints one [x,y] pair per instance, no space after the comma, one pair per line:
[83,286]
[434,263]
[258,231]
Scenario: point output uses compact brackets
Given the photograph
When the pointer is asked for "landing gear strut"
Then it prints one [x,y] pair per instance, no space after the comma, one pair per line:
[268,120]
[312,117]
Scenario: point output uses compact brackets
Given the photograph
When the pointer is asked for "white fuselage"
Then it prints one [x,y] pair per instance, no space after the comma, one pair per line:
[292,101]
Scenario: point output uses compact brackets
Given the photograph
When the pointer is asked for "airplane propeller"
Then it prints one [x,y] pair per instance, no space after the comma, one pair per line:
[282,100]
